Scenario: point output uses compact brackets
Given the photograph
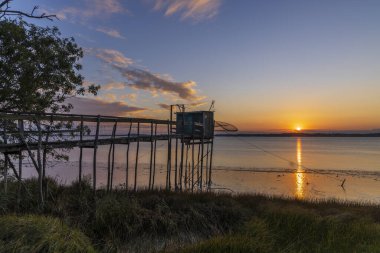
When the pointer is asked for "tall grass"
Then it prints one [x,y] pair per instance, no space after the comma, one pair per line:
[294,231]
[40,234]
[151,221]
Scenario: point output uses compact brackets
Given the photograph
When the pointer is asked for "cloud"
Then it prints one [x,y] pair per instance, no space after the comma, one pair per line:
[111,97]
[114,86]
[197,104]
[111,56]
[130,96]
[92,8]
[110,32]
[145,80]
[100,107]
[108,97]
[189,9]
[164,106]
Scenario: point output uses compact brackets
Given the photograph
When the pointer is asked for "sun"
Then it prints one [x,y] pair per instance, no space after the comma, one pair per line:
[298,128]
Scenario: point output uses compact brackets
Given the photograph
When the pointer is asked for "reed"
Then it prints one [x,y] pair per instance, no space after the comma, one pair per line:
[166,221]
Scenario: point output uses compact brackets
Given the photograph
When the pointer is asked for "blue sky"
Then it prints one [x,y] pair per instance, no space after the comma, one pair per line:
[268,64]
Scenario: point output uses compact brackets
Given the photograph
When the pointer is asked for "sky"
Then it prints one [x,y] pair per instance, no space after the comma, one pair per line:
[269,65]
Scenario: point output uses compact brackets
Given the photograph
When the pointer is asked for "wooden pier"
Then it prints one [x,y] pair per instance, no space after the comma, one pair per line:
[33,135]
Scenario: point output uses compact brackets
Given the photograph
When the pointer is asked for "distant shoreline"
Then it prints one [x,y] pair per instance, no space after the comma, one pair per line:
[301,135]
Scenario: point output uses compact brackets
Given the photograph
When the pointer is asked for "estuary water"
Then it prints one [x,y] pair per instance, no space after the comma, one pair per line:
[344,168]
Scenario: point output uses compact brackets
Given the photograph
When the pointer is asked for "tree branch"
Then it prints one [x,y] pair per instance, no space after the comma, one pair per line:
[5,11]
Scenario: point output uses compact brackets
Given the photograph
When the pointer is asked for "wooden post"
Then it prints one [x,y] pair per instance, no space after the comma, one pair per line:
[201,177]
[111,150]
[109,167]
[210,168]
[80,149]
[181,163]
[182,149]
[168,184]
[20,165]
[151,157]
[187,167]
[20,177]
[44,157]
[127,165]
[113,153]
[137,155]
[23,140]
[192,165]
[5,173]
[197,166]
[176,165]
[207,155]
[39,162]
[95,153]
[21,131]
[154,155]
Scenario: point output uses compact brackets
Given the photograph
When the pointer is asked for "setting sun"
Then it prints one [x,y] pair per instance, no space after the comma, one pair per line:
[298,128]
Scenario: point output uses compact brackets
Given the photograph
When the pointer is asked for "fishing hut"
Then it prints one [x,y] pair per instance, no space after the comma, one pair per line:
[195,131]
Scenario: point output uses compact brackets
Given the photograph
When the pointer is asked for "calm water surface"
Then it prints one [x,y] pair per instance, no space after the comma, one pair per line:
[304,167]
[320,153]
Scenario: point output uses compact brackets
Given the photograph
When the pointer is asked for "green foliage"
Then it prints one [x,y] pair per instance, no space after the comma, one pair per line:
[38,68]
[40,234]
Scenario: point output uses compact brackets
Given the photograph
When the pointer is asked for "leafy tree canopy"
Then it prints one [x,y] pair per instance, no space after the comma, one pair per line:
[38,68]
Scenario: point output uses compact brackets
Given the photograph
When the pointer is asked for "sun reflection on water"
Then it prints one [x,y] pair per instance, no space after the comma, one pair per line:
[300,175]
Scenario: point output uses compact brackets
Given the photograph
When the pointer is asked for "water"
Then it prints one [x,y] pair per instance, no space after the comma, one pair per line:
[320,153]
[304,167]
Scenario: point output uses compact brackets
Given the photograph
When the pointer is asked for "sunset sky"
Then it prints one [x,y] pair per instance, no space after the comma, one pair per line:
[269,65]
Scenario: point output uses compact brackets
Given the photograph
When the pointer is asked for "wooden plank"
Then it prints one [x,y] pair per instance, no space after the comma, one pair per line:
[76,117]
[15,147]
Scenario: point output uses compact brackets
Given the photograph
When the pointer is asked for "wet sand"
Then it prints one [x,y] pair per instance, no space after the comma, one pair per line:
[358,186]
[361,186]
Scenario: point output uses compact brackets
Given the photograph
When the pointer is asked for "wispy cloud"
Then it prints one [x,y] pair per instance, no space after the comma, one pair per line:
[102,107]
[110,32]
[114,86]
[164,106]
[189,9]
[130,96]
[196,104]
[110,56]
[145,80]
[142,79]
[92,8]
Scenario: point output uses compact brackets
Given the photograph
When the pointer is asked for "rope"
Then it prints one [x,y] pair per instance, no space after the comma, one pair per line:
[287,160]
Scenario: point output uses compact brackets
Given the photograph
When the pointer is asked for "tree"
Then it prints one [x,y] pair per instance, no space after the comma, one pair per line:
[39,70]
[5,10]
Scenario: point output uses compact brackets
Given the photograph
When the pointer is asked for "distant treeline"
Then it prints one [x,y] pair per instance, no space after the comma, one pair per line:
[302,135]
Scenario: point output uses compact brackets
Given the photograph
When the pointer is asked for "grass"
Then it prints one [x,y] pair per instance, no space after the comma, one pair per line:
[160,221]
[296,232]
[30,233]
